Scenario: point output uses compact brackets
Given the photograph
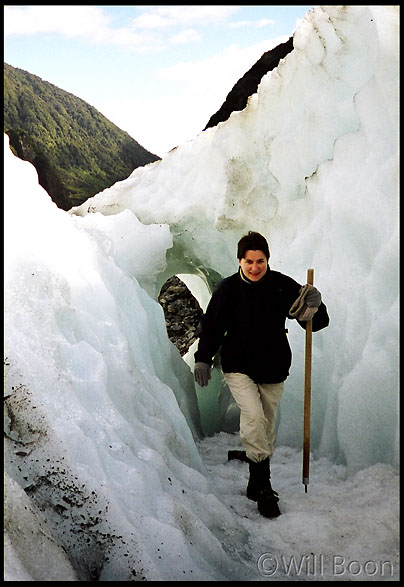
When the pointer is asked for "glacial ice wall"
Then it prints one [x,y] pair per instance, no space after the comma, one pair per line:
[312,163]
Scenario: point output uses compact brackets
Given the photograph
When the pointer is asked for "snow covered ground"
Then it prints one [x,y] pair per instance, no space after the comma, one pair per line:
[108,476]
[344,528]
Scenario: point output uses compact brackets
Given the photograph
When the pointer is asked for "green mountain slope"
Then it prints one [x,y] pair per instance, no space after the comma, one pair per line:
[75,149]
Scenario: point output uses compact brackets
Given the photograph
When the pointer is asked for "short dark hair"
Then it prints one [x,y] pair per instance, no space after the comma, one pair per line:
[253,241]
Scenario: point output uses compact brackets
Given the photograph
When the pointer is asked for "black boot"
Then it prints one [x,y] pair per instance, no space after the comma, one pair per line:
[260,475]
[259,489]
[239,455]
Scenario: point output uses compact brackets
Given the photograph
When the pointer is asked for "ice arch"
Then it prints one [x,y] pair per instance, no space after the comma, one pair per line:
[217,409]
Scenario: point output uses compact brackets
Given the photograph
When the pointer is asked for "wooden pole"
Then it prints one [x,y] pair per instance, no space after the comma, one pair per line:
[307,393]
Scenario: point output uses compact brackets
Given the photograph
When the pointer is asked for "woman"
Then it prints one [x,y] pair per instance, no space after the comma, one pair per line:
[245,319]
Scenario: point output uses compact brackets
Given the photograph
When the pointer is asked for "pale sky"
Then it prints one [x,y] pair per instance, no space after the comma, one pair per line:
[157,72]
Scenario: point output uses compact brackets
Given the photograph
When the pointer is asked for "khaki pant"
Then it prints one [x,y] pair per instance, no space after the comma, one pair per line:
[258,403]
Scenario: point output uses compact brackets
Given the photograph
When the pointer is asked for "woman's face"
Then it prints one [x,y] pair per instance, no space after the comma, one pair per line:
[254,265]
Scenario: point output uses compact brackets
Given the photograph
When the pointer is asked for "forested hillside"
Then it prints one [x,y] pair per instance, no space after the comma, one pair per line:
[75,149]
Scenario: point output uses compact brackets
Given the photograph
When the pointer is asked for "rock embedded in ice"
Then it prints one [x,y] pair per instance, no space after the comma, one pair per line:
[182,313]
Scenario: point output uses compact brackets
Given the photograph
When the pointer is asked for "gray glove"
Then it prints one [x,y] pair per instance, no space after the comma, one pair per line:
[313,297]
[202,374]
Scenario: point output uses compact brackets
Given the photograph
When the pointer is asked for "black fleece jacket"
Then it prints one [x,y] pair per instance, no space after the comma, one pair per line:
[246,321]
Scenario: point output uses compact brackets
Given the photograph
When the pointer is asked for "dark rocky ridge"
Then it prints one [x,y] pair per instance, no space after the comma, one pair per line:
[237,98]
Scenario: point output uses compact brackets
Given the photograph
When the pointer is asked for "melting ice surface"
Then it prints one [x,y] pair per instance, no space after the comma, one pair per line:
[108,473]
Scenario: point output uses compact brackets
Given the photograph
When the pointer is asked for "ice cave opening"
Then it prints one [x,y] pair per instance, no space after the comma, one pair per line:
[184,297]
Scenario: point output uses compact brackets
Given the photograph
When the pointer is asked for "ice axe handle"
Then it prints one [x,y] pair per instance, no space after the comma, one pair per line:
[307,393]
